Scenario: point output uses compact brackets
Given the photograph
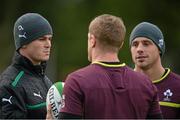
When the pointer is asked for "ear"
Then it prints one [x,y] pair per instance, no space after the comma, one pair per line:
[92,40]
[160,53]
[24,46]
[122,44]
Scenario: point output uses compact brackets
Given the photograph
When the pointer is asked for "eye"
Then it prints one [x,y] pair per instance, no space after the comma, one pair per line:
[50,38]
[134,44]
[146,43]
[41,39]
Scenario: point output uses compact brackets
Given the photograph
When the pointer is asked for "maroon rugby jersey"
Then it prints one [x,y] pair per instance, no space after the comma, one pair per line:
[169,94]
[103,90]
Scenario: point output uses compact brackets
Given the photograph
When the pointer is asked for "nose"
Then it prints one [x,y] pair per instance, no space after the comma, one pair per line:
[48,43]
[140,48]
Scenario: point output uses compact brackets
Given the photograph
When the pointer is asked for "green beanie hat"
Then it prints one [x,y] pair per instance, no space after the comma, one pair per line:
[151,31]
[29,27]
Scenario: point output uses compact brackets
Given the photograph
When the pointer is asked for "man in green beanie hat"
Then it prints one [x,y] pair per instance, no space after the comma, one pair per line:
[147,48]
[24,85]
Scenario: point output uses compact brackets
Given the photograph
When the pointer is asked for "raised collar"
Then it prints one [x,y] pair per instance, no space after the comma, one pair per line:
[167,71]
[110,64]
[20,60]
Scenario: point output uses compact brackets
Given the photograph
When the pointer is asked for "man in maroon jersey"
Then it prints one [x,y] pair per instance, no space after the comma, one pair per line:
[147,48]
[108,88]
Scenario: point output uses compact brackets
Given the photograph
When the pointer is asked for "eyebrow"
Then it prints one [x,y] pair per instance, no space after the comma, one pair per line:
[45,37]
[143,40]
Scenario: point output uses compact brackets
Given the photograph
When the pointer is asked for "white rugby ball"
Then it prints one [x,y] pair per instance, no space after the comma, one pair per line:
[55,98]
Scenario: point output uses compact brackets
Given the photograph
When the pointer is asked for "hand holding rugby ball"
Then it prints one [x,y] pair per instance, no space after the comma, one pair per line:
[55,98]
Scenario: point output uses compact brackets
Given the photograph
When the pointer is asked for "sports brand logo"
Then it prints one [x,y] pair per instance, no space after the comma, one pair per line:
[7,100]
[20,28]
[23,35]
[167,95]
[37,95]
[161,43]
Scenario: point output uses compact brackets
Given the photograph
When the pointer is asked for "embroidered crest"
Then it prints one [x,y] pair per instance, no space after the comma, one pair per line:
[167,95]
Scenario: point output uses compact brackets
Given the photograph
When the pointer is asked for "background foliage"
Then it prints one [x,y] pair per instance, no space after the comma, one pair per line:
[70,19]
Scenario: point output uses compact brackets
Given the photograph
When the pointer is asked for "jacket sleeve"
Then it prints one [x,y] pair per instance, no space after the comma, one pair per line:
[12,104]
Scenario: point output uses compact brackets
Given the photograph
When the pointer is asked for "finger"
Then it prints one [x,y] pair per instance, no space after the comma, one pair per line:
[49,114]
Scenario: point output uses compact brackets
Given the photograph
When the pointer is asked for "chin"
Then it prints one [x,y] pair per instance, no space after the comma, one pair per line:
[143,66]
[45,59]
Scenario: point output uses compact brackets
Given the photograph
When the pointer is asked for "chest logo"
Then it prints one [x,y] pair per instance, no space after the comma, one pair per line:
[167,95]
[37,95]
[7,100]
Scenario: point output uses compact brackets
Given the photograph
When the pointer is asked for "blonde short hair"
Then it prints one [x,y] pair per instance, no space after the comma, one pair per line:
[109,30]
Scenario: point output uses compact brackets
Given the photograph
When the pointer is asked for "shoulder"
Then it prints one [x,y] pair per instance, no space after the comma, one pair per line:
[94,71]
[173,78]
[8,75]
[11,76]
[139,79]
[139,76]
[81,76]
[9,79]
[85,71]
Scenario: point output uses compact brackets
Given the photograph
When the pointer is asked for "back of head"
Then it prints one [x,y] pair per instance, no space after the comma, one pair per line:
[109,31]
[29,27]
[150,31]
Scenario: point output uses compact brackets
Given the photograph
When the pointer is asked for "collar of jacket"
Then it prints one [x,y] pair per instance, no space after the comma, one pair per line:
[20,60]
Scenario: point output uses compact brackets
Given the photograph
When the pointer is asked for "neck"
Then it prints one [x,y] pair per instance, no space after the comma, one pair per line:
[105,57]
[154,72]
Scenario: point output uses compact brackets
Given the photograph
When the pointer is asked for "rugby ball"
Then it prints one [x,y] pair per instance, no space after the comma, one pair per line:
[55,98]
